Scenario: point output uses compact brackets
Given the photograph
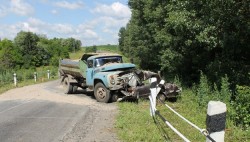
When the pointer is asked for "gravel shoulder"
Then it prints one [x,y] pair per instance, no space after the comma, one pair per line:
[97,125]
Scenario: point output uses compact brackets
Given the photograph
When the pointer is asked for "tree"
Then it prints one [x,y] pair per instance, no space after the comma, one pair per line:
[27,43]
[186,37]
[56,50]
[10,56]
[71,44]
[121,38]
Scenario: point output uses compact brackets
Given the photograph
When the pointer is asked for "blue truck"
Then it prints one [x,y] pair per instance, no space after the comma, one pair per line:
[104,73]
[110,78]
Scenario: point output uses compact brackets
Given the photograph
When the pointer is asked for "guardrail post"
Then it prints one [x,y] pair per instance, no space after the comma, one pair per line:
[48,73]
[154,89]
[35,76]
[152,96]
[216,120]
[15,79]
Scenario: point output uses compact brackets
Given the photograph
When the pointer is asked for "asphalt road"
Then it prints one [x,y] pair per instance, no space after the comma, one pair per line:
[43,113]
[37,120]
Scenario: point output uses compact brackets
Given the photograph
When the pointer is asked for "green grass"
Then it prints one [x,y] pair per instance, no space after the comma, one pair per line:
[76,55]
[26,77]
[101,48]
[108,48]
[134,122]
[113,49]
[9,86]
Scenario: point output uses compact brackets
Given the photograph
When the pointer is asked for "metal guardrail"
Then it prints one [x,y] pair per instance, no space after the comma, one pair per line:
[215,116]
[35,77]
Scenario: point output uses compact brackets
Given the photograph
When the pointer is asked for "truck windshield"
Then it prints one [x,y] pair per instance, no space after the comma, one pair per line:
[106,60]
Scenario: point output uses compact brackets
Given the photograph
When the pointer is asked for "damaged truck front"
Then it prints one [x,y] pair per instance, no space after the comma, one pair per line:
[105,74]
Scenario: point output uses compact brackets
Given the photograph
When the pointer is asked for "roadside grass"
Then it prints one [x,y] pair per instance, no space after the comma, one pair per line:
[113,49]
[101,48]
[108,48]
[9,86]
[134,122]
[77,55]
[26,77]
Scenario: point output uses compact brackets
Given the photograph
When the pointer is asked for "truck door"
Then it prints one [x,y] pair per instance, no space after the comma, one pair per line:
[90,73]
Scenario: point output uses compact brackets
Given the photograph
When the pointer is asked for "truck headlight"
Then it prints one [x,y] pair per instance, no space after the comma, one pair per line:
[112,80]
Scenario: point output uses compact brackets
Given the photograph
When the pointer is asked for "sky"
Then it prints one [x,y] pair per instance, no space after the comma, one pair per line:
[94,22]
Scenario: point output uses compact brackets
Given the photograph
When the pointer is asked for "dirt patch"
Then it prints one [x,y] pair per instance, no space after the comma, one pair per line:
[97,126]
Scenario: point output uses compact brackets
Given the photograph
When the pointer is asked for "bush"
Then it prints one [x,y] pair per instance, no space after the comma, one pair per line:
[54,61]
[6,77]
[238,110]
[203,90]
[241,114]
[177,81]
[91,49]
[25,74]
[225,94]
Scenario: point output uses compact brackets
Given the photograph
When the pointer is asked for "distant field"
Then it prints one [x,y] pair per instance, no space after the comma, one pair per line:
[108,48]
[78,54]
[100,48]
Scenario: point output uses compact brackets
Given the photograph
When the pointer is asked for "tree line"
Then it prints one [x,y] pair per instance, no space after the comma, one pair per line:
[30,50]
[185,38]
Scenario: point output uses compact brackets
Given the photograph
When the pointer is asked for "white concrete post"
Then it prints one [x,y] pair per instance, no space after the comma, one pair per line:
[48,73]
[35,76]
[15,79]
[216,121]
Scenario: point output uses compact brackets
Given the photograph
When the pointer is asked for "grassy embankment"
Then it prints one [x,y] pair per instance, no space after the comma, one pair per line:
[26,77]
[134,122]
[101,48]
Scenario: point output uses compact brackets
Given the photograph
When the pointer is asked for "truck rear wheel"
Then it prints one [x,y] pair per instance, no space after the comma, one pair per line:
[68,88]
[102,94]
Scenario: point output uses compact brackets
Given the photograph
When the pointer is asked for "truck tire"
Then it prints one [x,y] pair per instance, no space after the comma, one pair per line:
[102,94]
[161,97]
[68,88]
[74,89]
[114,98]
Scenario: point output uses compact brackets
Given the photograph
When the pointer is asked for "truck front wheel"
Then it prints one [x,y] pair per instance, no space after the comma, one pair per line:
[102,94]
[161,97]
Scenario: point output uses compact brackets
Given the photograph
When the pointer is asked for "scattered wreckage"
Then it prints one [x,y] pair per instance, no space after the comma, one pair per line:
[109,78]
